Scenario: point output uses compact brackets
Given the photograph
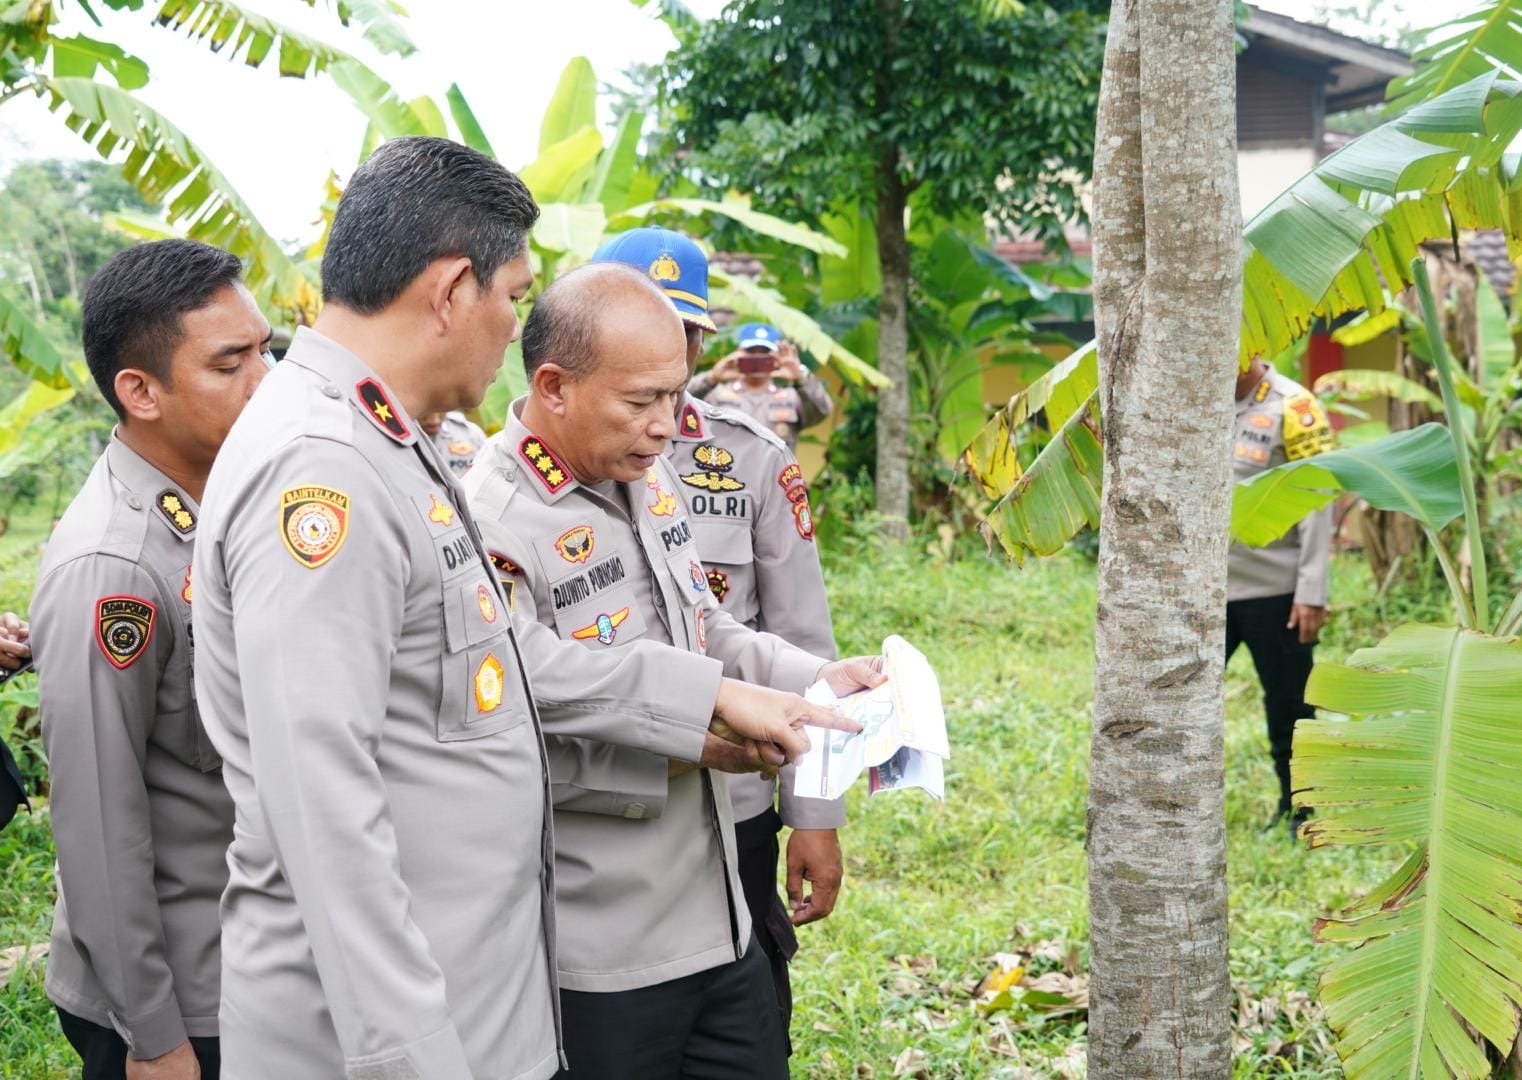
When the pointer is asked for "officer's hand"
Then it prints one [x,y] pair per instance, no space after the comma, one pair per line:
[179,1064]
[813,855]
[727,368]
[1308,620]
[853,673]
[726,752]
[773,719]
[15,641]
[788,364]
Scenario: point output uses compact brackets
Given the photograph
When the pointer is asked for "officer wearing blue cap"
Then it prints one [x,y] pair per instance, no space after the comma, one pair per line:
[744,381]
[750,516]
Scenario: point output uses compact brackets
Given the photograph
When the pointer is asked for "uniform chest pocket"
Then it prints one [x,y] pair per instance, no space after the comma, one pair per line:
[483,684]
[690,577]
[603,618]
[723,540]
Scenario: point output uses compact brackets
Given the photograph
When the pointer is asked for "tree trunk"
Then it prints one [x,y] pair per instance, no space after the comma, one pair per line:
[892,315]
[892,351]
[1167,260]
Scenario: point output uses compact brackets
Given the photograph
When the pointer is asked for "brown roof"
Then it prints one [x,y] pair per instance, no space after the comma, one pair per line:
[1487,250]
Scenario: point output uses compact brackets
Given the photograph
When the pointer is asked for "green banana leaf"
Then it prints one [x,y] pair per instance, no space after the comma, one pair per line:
[471,133]
[36,399]
[1059,392]
[1411,471]
[555,175]
[381,22]
[1430,757]
[80,57]
[24,343]
[223,25]
[573,105]
[1058,495]
[746,297]
[389,115]
[1360,384]
[1485,37]
[737,209]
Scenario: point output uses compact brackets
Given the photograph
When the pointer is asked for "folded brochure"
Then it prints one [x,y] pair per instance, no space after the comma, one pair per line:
[903,736]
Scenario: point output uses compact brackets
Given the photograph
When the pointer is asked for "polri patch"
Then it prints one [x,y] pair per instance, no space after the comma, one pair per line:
[547,467]
[575,545]
[803,517]
[716,463]
[604,628]
[314,521]
[381,409]
[789,476]
[123,628]
[173,507]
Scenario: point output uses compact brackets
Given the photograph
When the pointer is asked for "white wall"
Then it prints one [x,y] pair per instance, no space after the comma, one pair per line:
[1265,173]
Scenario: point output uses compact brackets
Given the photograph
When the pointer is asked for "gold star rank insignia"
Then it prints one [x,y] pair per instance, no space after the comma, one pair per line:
[547,467]
[176,512]
[313,523]
[692,423]
[380,409]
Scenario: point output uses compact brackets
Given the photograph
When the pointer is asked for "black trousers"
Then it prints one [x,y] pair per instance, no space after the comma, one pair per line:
[104,1054]
[719,1024]
[756,844]
[1283,664]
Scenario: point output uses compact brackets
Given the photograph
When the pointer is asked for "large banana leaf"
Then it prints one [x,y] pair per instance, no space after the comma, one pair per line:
[737,209]
[1360,384]
[746,297]
[1060,392]
[471,132]
[80,57]
[1430,758]
[221,24]
[572,107]
[163,164]
[1058,495]
[36,399]
[1413,471]
[1485,37]
[28,347]
[381,21]
[389,115]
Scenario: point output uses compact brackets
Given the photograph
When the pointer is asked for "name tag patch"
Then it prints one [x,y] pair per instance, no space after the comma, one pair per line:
[579,588]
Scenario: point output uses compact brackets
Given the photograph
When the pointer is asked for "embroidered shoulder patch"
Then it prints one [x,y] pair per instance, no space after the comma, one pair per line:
[175,511]
[716,463]
[488,684]
[789,476]
[380,408]
[123,628]
[547,467]
[803,517]
[691,423]
[314,521]
[1307,431]
[503,564]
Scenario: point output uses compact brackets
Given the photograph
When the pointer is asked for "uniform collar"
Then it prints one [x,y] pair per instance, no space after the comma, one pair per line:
[548,475]
[352,377]
[149,486]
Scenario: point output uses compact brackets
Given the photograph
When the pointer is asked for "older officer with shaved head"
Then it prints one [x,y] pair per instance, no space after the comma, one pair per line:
[659,969]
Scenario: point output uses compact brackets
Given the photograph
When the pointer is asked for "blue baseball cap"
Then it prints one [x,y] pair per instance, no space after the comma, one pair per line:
[760,334]
[673,262]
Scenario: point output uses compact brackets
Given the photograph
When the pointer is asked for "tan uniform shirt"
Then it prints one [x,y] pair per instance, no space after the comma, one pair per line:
[782,410]
[141,819]
[646,891]
[750,517]
[458,441]
[1281,421]
[389,911]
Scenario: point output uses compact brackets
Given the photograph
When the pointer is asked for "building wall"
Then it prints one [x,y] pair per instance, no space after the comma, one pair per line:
[1264,173]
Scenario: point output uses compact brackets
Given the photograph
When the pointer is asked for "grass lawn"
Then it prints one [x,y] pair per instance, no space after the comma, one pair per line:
[884,987]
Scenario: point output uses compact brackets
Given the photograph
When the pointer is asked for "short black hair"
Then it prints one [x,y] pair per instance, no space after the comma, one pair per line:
[134,307]
[562,329]
[418,199]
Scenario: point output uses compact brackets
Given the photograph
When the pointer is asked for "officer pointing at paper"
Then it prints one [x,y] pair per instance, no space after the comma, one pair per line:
[390,908]
[659,971]
[751,520]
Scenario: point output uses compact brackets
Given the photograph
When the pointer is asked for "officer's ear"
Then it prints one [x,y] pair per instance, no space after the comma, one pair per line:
[139,393]
[548,385]
[451,288]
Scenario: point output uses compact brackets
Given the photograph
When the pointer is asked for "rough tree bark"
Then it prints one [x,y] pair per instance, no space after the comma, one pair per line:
[892,477]
[1167,262]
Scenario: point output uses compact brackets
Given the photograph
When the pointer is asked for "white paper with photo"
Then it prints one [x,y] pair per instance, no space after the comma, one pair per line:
[903,738]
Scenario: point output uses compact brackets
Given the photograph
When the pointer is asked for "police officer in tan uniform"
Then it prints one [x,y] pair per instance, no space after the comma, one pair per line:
[390,906]
[457,439]
[744,381]
[658,969]
[750,516]
[1276,596]
[141,818]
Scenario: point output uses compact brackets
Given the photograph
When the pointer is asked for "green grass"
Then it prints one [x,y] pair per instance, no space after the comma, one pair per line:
[935,890]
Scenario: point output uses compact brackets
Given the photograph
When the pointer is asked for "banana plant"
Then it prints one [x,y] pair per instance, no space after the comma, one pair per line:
[89,82]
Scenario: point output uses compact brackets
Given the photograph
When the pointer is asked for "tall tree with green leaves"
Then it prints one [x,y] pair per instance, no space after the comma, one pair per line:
[952,106]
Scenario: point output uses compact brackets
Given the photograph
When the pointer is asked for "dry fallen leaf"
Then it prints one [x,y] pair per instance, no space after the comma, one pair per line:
[911,1063]
[19,955]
